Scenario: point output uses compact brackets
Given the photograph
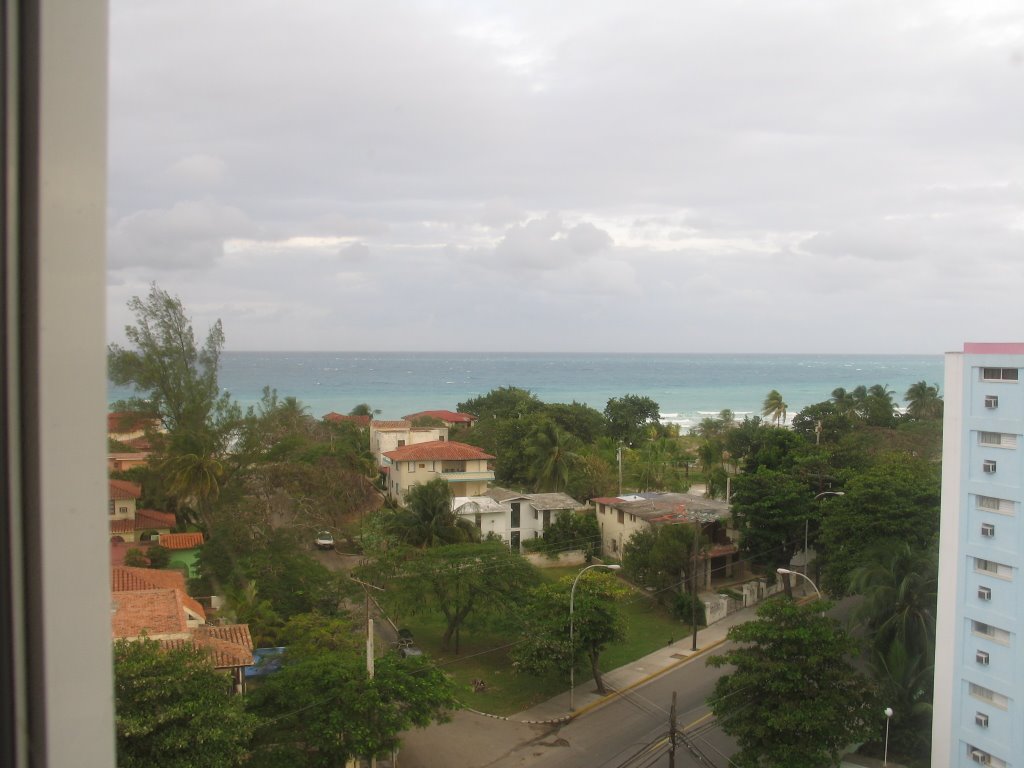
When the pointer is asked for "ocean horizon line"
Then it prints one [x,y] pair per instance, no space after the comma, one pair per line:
[574,353]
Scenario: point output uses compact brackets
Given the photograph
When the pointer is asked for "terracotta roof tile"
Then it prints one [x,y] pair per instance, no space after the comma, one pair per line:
[122,489]
[120,422]
[224,652]
[151,518]
[153,611]
[437,450]
[126,579]
[181,540]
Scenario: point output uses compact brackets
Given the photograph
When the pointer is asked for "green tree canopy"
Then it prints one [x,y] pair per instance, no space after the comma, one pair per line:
[461,582]
[793,699]
[552,456]
[628,416]
[171,374]
[895,499]
[168,702]
[597,622]
[771,508]
[428,519]
[568,531]
[502,403]
[322,708]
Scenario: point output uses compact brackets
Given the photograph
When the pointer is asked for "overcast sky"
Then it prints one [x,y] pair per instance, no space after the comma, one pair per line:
[679,176]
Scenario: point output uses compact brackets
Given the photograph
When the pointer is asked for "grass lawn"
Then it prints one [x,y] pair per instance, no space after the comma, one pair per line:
[483,654]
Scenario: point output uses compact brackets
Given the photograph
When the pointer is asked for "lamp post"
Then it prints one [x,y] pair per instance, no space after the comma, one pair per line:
[888,717]
[572,637]
[787,572]
[807,525]
[700,519]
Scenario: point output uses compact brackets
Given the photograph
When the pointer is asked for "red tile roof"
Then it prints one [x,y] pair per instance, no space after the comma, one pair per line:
[153,611]
[118,549]
[181,540]
[126,579]
[150,518]
[231,648]
[338,418]
[450,416]
[437,450]
[120,490]
[379,425]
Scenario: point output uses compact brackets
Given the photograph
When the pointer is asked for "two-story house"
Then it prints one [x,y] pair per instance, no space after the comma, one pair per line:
[465,467]
[513,516]
[621,517]
[129,524]
[390,435]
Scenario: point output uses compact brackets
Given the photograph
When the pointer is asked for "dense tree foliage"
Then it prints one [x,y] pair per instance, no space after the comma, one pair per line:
[629,417]
[792,699]
[597,622]
[174,710]
[427,520]
[322,708]
[894,500]
[770,509]
[462,582]
[568,531]
[173,377]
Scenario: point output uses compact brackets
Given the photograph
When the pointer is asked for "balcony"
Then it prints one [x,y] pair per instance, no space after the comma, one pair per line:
[463,476]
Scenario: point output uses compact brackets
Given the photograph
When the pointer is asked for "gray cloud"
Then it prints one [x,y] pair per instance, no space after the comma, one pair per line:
[722,172]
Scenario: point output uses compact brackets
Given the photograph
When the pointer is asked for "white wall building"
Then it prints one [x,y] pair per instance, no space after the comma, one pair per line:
[515,517]
[979,660]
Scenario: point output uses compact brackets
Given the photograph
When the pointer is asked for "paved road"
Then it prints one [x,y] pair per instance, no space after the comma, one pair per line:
[630,730]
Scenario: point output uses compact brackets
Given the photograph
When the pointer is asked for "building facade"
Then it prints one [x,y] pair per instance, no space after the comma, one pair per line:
[514,517]
[979,663]
[465,468]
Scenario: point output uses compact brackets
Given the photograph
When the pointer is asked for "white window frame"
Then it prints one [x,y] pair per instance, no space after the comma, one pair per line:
[991,401]
[997,374]
[997,439]
[994,504]
[988,530]
[988,466]
[984,593]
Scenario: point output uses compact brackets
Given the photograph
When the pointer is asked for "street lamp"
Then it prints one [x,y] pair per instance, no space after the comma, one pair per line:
[572,641]
[807,525]
[787,572]
[701,519]
[888,717]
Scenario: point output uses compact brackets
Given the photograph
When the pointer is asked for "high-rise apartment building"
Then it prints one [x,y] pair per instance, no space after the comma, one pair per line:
[979,659]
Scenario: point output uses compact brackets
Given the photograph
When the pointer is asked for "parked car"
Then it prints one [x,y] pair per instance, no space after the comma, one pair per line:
[325,540]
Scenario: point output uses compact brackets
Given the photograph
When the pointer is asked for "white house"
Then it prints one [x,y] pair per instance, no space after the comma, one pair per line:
[514,516]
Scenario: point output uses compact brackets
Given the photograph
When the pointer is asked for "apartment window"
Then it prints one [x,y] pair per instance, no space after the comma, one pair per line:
[981,657]
[535,516]
[984,593]
[401,443]
[981,719]
[412,466]
[123,510]
[987,694]
[979,755]
[993,504]
[110,506]
[621,517]
[997,439]
[993,568]
[515,515]
[991,401]
[423,466]
[995,634]
[988,530]
[999,374]
[988,467]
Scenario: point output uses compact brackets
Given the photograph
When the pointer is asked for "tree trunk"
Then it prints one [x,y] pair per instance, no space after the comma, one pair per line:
[596,670]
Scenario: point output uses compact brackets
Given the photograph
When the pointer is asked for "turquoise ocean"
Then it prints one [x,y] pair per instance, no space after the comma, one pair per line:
[688,387]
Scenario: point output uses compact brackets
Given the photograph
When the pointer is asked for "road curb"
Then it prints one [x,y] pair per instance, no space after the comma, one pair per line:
[643,681]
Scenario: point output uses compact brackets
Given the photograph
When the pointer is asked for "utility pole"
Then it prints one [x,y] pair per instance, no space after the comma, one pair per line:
[672,733]
[618,453]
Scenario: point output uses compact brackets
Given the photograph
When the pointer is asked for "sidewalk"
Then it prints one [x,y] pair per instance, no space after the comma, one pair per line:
[482,739]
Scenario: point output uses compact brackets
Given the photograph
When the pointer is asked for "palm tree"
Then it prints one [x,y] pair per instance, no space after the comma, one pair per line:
[193,474]
[899,584]
[923,401]
[774,407]
[551,457]
[428,520]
